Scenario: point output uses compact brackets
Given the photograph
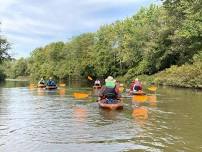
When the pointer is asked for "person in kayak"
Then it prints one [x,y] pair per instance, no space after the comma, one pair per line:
[110,91]
[135,86]
[97,83]
[42,81]
[50,82]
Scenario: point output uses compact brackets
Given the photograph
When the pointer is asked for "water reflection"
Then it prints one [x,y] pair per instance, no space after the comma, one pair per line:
[80,114]
[109,114]
[152,99]
[140,114]
[41,91]
[51,92]
[62,91]
[10,84]
[52,120]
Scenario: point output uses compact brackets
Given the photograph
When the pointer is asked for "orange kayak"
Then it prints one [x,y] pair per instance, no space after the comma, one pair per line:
[111,106]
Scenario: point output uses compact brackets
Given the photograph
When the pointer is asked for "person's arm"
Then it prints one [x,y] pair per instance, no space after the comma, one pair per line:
[131,86]
[118,95]
[101,94]
[140,86]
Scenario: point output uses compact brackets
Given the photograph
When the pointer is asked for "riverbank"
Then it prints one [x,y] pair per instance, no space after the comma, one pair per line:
[18,79]
[187,76]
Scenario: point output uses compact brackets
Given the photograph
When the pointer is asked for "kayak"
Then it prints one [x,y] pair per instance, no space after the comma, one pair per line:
[111,106]
[51,87]
[41,85]
[138,93]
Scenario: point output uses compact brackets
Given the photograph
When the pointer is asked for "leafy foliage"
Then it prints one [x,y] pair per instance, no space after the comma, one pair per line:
[4,55]
[154,39]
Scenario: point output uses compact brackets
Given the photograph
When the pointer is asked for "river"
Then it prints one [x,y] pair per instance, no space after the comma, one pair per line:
[38,120]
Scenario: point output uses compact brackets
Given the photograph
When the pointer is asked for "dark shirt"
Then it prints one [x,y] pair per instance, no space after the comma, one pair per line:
[51,83]
[107,92]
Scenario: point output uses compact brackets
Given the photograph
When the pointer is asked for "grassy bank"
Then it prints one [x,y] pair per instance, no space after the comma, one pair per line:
[21,78]
[188,76]
[185,76]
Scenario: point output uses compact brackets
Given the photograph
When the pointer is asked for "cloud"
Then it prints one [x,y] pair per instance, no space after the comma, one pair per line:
[4,4]
[31,23]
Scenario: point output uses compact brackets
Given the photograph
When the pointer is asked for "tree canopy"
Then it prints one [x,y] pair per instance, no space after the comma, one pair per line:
[153,39]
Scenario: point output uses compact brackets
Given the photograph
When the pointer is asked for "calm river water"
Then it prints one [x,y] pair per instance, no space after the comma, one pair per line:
[37,120]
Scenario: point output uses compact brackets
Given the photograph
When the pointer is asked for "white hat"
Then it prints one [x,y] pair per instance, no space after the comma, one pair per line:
[110,79]
[136,79]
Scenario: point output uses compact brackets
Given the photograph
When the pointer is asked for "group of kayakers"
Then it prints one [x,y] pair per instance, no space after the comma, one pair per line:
[49,82]
[110,92]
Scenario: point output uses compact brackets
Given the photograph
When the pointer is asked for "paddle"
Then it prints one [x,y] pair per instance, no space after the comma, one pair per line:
[62,84]
[78,95]
[90,78]
[121,88]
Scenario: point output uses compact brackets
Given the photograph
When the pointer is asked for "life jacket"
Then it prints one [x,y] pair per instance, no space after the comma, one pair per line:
[51,83]
[110,93]
[137,86]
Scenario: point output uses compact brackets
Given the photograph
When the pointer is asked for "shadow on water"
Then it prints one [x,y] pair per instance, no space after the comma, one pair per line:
[11,84]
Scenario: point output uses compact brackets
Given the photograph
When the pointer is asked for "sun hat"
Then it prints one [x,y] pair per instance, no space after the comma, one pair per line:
[110,81]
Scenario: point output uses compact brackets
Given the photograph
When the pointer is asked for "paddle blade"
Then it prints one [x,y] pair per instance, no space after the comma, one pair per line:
[89,78]
[139,98]
[80,114]
[152,88]
[80,95]
[121,88]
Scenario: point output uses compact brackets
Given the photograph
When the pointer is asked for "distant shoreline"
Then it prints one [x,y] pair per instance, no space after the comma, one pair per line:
[16,79]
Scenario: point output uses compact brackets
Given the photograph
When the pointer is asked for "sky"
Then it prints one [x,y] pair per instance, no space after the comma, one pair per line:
[28,24]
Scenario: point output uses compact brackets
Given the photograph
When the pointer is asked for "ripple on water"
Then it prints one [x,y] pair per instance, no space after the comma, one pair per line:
[34,122]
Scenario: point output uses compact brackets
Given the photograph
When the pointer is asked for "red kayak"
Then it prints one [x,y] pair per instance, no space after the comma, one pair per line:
[111,106]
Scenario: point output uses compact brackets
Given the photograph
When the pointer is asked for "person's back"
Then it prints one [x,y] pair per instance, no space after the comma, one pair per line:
[50,82]
[109,91]
[137,85]
[41,81]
